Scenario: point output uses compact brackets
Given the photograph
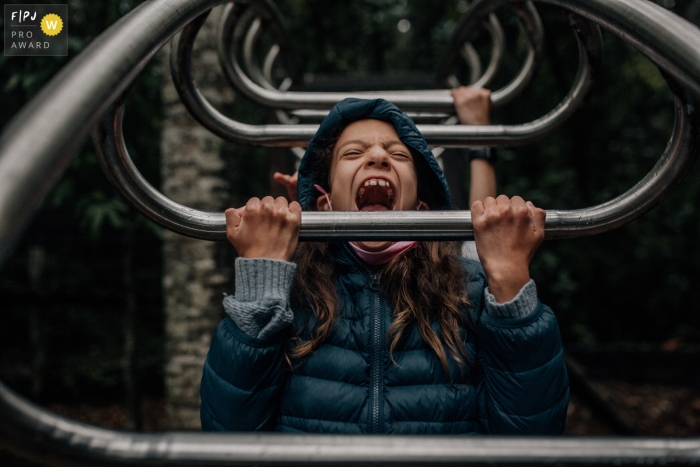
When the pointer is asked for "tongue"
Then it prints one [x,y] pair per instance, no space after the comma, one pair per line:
[374,198]
[374,207]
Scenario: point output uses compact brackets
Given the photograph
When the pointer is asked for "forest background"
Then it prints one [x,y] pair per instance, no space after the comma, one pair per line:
[92,298]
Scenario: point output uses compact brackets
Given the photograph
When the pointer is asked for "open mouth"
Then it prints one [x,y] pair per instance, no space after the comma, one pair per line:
[375,194]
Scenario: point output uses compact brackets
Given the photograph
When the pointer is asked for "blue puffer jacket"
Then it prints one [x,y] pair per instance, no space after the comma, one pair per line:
[515,383]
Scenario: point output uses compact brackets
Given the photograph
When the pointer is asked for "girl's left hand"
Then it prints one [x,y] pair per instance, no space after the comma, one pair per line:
[507,233]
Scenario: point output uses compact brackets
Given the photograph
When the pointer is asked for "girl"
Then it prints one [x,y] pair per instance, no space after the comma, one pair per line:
[383,337]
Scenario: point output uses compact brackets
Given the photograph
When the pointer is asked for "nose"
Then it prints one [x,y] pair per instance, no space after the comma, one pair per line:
[378,157]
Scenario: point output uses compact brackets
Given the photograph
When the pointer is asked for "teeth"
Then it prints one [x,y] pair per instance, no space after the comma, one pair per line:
[361,192]
[375,182]
[390,193]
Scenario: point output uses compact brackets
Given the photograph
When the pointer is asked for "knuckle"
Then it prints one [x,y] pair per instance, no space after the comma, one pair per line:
[521,211]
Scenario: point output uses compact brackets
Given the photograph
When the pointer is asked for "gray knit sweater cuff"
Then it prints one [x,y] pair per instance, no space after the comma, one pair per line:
[260,307]
[521,305]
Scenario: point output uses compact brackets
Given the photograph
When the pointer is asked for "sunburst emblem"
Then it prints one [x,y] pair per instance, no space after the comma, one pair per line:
[51,24]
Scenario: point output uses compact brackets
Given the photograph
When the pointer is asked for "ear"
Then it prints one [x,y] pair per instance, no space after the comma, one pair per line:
[423,206]
[322,203]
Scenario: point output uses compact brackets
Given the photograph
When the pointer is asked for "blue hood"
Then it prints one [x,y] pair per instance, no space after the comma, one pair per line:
[432,187]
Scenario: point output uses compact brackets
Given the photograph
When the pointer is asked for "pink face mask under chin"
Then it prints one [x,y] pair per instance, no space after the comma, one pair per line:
[376,258]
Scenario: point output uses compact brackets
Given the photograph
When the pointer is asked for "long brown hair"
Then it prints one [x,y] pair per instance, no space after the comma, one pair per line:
[422,284]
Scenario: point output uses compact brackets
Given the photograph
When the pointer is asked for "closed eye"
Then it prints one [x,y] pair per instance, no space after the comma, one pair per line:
[352,152]
[402,153]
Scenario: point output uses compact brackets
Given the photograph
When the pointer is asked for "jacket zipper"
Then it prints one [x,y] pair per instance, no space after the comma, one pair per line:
[376,359]
[376,346]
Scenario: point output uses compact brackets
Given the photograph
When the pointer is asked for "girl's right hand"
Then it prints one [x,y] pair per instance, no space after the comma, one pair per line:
[473,105]
[267,228]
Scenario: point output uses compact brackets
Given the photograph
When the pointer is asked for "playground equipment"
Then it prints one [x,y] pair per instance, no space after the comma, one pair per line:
[89,93]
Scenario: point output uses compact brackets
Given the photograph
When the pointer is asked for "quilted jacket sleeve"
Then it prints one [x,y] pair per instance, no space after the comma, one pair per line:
[523,386]
[245,370]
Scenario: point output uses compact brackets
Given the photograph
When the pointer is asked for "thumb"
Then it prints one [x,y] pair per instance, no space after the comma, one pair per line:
[233,216]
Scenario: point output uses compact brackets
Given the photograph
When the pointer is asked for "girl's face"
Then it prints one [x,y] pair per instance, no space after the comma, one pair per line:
[372,170]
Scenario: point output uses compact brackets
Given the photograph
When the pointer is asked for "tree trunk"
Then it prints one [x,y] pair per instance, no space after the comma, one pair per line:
[195,271]
[35,266]
[129,365]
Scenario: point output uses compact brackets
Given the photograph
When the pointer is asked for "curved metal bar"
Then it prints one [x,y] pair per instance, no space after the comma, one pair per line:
[471,56]
[668,40]
[534,31]
[425,100]
[498,37]
[532,23]
[679,156]
[437,100]
[268,16]
[209,116]
[251,37]
[590,49]
[39,143]
[45,437]
[269,65]
[121,171]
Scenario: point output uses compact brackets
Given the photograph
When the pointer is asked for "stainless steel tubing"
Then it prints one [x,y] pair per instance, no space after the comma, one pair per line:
[210,117]
[418,117]
[498,47]
[681,152]
[590,49]
[264,77]
[532,24]
[431,100]
[269,65]
[39,143]
[42,436]
[251,67]
[666,39]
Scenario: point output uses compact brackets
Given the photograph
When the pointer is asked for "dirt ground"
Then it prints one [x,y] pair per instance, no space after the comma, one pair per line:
[652,410]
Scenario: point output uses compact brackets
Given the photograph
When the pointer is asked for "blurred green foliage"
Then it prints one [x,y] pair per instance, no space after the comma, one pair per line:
[633,284]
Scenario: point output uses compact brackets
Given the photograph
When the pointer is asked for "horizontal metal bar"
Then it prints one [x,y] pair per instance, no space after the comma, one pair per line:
[46,437]
[318,115]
